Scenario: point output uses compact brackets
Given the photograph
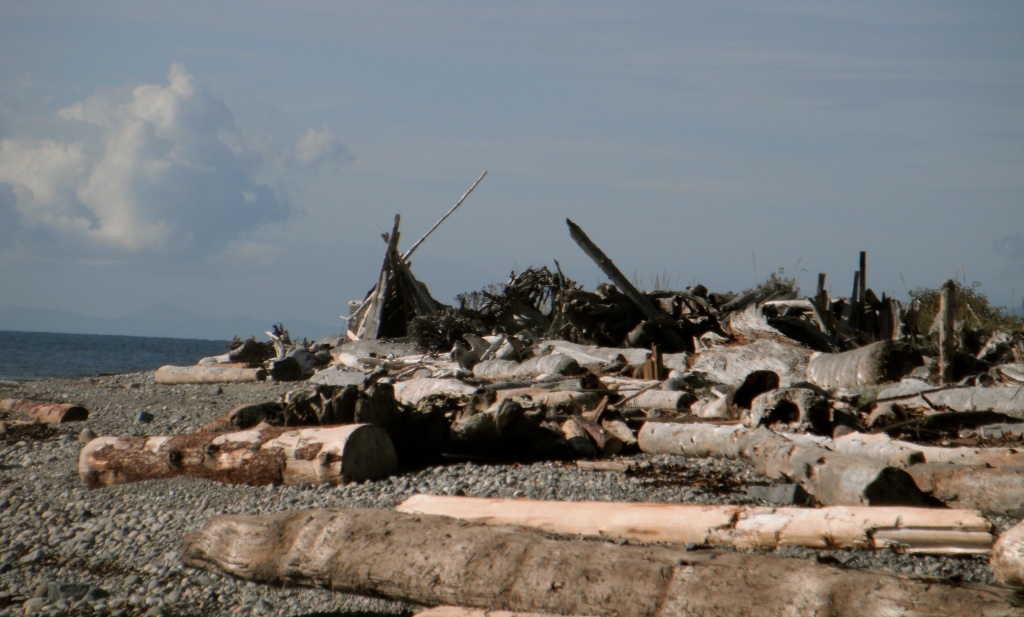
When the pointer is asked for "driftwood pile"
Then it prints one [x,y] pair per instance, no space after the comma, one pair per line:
[881,421]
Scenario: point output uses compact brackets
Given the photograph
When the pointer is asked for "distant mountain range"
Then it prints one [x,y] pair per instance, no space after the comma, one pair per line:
[160,320]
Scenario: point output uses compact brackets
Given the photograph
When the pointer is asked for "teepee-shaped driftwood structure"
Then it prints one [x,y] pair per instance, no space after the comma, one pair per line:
[394,300]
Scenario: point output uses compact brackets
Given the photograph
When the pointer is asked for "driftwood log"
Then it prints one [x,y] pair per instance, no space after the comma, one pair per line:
[833,478]
[434,560]
[997,490]
[263,455]
[918,530]
[46,412]
[460,611]
[208,373]
[1008,557]
[876,363]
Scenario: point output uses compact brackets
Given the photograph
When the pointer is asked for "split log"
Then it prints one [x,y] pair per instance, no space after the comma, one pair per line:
[916,530]
[268,455]
[434,560]
[212,373]
[46,412]
[412,391]
[1008,557]
[833,478]
[872,364]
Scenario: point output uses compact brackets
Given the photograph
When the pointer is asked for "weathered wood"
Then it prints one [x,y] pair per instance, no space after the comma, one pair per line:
[263,455]
[46,412]
[872,364]
[921,530]
[585,354]
[368,316]
[551,364]
[792,407]
[1008,557]
[461,611]
[434,560]
[412,391]
[946,325]
[833,478]
[679,400]
[648,310]
[417,243]
[731,365]
[579,439]
[242,417]
[211,373]
[997,490]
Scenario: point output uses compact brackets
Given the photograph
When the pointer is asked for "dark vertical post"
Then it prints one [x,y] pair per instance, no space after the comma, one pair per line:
[947,344]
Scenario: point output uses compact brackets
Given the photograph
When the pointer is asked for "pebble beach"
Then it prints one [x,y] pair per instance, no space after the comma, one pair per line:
[69,550]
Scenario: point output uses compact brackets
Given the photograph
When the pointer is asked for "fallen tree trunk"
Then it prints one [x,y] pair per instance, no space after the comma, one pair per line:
[210,373]
[915,530]
[876,363]
[553,398]
[1008,557]
[268,455]
[46,412]
[585,354]
[435,560]
[833,478]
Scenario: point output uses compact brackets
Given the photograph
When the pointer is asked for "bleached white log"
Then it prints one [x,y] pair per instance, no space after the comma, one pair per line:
[920,530]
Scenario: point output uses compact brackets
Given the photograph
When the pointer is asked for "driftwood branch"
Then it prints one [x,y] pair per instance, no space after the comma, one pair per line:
[416,244]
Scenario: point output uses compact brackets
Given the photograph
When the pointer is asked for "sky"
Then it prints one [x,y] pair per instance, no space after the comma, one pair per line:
[243,158]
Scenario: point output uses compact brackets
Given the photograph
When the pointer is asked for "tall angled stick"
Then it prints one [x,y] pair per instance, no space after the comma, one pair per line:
[416,244]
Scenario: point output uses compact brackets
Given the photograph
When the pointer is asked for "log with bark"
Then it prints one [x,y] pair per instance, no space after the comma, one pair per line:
[211,373]
[914,530]
[263,455]
[45,411]
[461,611]
[434,560]
[833,478]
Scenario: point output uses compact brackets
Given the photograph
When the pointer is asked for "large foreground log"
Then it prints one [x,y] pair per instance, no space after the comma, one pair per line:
[833,478]
[917,530]
[435,560]
[46,412]
[267,455]
[209,373]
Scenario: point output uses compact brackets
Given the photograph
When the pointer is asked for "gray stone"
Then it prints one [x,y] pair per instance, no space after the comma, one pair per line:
[35,555]
[86,435]
[144,417]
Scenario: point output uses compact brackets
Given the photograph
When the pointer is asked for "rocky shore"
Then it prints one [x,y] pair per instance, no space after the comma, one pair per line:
[68,550]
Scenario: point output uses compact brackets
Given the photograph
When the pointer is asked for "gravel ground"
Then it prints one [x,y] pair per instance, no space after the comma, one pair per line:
[67,550]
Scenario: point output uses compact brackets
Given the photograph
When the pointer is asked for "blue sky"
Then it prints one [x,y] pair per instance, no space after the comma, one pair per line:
[242,158]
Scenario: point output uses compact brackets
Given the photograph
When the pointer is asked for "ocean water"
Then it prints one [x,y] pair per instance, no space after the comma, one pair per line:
[37,355]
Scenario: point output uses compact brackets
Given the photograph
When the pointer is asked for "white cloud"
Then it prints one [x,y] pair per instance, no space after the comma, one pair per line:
[319,146]
[159,170]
